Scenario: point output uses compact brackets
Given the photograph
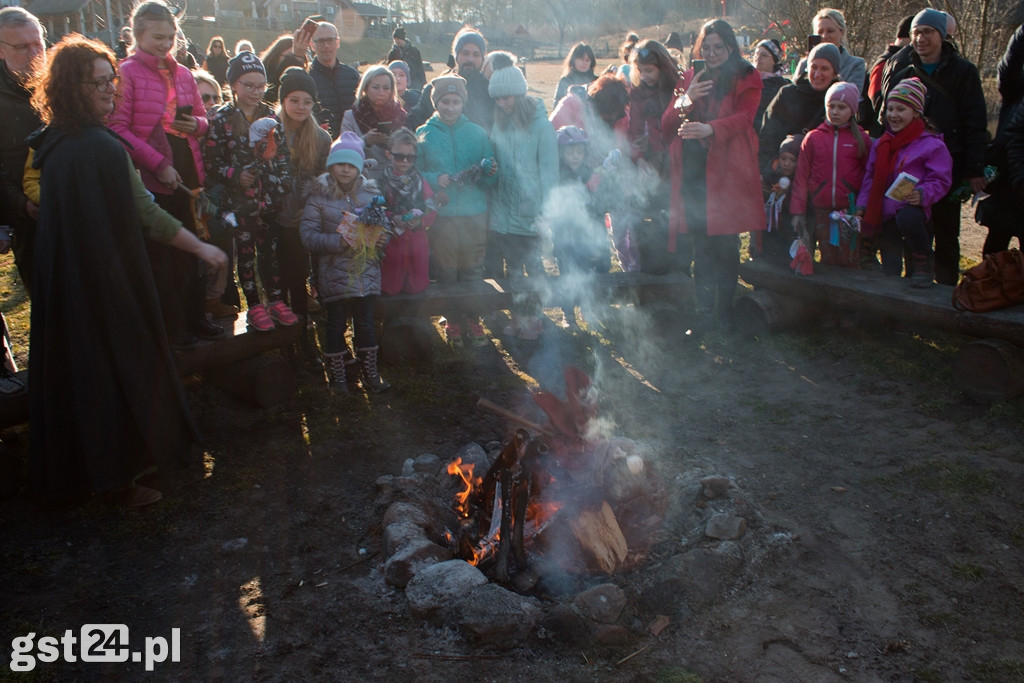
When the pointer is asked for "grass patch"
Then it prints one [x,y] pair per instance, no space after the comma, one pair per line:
[936,619]
[968,572]
[956,480]
[1002,670]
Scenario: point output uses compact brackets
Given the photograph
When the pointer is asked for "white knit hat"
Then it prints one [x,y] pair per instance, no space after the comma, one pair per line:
[507,82]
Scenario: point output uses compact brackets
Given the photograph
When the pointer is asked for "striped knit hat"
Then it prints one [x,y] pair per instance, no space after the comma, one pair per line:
[910,91]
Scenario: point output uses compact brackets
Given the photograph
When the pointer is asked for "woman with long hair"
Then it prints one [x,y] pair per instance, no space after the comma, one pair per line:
[770,63]
[653,76]
[578,69]
[716,187]
[216,61]
[287,51]
[376,114]
[105,402]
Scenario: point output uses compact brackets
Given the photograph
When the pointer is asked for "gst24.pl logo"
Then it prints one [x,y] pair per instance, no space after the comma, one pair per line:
[96,643]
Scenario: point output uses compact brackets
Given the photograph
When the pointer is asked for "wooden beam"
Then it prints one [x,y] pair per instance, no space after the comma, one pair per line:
[240,345]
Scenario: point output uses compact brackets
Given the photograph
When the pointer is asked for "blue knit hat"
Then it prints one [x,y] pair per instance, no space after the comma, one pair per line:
[348,149]
[934,18]
[468,35]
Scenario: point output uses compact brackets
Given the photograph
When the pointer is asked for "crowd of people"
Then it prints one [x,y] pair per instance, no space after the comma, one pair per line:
[149,199]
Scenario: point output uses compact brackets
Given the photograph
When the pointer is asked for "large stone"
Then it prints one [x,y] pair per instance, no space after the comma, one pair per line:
[564,624]
[406,512]
[492,615]
[404,564]
[725,527]
[602,603]
[399,535]
[715,485]
[473,454]
[427,463]
[610,635]
[440,585]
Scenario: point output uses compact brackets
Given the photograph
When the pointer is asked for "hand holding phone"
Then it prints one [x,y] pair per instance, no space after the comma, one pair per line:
[699,65]
[384,127]
[812,40]
[181,112]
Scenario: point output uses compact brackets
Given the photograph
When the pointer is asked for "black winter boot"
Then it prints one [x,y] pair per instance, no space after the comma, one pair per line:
[351,370]
[334,364]
[924,272]
[371,378]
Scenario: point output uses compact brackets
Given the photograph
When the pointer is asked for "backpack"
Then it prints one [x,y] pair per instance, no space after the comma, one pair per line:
[996,282]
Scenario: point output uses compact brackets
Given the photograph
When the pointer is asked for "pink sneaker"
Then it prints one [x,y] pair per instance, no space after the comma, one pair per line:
[454,334]
[258,318]
[476,334]
[280,312]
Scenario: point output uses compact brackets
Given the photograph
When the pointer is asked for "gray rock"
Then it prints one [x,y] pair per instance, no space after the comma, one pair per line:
[610,635]
[407,468]
[602,603]
[404,564]
[427,463]
[715,485]
[726,527]
[492,615]
[440,585]
[406,512]
[399,535]
[564,624]
[473,454]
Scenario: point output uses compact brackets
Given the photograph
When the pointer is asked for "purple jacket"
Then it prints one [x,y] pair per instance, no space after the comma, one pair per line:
[927,159]
[142,97]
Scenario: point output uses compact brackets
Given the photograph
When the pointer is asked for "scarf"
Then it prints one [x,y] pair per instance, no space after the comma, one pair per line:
[403,193]
[367,117]
[889,147]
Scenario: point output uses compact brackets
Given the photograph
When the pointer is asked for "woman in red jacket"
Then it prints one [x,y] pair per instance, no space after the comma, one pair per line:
[713,154]
[160,114]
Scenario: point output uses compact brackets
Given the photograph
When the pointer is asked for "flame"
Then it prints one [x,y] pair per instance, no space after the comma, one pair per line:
[464,472]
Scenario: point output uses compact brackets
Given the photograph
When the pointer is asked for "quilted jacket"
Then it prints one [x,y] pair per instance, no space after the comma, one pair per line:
[828,169]
[142,96]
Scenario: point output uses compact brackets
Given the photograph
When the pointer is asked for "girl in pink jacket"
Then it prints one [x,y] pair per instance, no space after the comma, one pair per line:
[828,177]
[161,116]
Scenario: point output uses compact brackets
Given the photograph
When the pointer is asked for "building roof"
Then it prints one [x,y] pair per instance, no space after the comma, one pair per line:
[42,8]
[368,9]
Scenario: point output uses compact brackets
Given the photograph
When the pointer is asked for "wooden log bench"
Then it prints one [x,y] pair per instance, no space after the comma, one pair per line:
[989,369]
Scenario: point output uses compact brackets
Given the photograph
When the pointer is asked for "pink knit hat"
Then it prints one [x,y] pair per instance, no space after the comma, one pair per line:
[847,93]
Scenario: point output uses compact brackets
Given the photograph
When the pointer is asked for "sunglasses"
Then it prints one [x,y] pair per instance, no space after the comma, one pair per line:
[403,157]
[209,99]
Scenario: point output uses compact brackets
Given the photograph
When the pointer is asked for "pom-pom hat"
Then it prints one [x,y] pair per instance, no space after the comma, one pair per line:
[348,149]
[507,82]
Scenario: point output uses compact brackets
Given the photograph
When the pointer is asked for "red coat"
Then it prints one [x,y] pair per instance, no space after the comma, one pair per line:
[734,203]
[828,169]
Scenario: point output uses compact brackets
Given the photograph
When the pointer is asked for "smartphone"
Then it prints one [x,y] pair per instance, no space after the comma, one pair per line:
[384,127]
[181,112]
[812,40]
[310,25]
[699,65]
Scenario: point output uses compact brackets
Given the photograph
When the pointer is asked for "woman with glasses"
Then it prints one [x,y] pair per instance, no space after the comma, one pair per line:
[162,119]
[716,187]
[105,402]
[246,152]
[217,59]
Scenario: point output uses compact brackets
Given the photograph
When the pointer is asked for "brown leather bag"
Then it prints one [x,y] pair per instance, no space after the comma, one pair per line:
[996,282]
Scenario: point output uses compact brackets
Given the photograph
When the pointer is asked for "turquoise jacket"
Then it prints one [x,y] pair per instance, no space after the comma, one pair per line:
[450,149]
[527,171]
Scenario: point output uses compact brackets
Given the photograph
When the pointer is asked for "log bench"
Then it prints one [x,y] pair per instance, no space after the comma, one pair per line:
[989,369]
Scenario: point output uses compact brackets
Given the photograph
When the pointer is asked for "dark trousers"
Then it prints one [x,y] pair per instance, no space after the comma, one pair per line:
[293,263]
[179,285]
[910,227]
[946,229]
[360,309]
[716,268]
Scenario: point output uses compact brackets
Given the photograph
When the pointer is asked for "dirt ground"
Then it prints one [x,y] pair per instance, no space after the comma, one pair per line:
[904,499]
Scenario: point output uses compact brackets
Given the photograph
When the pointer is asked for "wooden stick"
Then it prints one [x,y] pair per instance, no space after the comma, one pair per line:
[508,414]
[629,657]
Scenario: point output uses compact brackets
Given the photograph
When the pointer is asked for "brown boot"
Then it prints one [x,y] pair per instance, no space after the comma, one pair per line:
[923,276]
[371,378]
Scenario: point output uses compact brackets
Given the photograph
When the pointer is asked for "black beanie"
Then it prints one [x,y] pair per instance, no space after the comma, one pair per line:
[295,78]
[243,63]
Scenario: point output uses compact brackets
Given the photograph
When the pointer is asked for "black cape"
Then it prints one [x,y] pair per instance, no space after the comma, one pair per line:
[105,402]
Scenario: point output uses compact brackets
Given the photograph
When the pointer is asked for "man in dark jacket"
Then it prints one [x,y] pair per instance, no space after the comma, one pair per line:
[404,51]
[22,54]
[872,104]
[956,105]
[470,49]
[336,83]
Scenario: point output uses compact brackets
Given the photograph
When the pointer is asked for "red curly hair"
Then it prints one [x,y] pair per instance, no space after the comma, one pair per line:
[59,94]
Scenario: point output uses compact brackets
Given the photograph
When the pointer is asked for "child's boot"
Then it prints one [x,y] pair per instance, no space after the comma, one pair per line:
[924,272]
[334,363]
[371,378]
[351,370]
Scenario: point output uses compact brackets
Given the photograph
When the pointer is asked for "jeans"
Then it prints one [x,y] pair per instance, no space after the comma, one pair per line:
[360,309]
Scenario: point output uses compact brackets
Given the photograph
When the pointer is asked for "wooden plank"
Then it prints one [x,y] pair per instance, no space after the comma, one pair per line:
[888,297]
[242,344]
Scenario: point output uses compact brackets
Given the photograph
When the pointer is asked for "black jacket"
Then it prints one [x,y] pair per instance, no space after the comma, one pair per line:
[19,120]
[411,56]
[336,89]
[797,108]
[955,104]
[772,86]
[1010,74]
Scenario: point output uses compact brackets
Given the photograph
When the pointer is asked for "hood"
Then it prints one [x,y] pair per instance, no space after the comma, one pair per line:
[323,185]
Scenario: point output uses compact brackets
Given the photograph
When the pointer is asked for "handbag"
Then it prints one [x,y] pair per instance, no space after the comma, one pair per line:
[996,282]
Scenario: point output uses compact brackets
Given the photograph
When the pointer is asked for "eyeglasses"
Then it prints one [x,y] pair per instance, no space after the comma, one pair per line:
[262,87]
[102,84]
[708,50]
[25,48]
[209,99]
[326,41]
[403,157]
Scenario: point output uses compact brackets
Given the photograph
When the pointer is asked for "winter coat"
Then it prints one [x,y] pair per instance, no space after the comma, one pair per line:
[336,90]
[450,149]
[927,159]
[851,69]
[646,106]
[797,108]
[527,171]
[955,104]
[338,274]
[274,71]
[142,109]
[217,65]
[828,169]
[19,120]
[1013,136]
[573,78]
[772,83]
[479,105]
[1010,74]
[734,202]
[409,54]
[227,154]
[301,184]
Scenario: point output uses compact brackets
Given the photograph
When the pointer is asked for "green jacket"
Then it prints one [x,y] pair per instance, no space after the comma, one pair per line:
[527,171]
[450,149]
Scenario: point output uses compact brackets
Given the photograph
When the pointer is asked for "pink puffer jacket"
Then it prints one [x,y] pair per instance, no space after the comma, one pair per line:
[142,96]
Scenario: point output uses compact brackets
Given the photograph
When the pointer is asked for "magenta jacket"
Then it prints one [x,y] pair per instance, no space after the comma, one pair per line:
[828,169]
[928,160]
[142,96]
